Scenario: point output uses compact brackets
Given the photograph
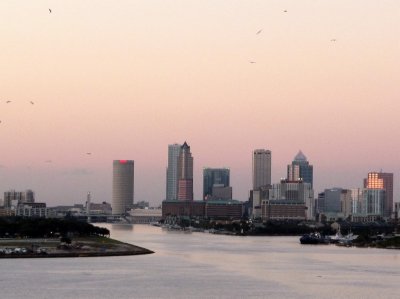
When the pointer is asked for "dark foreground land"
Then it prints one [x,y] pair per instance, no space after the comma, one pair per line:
[38,238]
[80,247]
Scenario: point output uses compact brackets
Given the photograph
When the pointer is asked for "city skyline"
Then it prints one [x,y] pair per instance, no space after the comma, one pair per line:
[200,182]
[89,83]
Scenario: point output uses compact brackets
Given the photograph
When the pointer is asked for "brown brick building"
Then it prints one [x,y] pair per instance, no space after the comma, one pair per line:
[282,209]
[214,209]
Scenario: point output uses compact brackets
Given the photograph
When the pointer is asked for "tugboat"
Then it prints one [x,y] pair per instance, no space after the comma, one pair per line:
[314,238]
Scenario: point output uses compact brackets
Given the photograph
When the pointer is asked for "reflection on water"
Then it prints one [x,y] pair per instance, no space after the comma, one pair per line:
[200,265]
[121,226]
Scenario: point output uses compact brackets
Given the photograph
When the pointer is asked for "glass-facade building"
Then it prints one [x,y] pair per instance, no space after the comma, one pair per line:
[300,169]
[213,177]
[382,181]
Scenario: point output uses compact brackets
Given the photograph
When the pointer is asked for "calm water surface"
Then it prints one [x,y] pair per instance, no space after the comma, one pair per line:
[200,265]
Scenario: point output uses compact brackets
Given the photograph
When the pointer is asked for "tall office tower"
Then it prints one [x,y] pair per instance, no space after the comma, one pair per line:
[261,168]
[300,169]
[172,171]
[382,180]
[123,186]
[185,173]
[214,177]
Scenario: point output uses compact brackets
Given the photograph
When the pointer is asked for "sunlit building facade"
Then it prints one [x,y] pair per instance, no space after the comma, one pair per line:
[382,181]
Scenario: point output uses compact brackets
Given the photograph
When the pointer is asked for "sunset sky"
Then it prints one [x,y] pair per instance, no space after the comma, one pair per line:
[123,79]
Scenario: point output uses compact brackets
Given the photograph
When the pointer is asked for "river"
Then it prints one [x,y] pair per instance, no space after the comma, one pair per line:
[202,265]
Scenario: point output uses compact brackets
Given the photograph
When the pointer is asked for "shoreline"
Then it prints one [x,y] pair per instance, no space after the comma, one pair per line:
[82,247]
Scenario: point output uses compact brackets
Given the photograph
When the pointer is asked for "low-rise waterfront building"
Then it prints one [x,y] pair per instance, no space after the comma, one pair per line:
[283,209]
[34,209]
[103,208]
[146,215]
[188,208]
[232,209]
[76,210]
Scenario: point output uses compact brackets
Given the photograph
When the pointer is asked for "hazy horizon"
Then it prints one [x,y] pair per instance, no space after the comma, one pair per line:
[123,80]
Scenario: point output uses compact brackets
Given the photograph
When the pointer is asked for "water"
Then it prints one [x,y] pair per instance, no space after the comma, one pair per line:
[201,265]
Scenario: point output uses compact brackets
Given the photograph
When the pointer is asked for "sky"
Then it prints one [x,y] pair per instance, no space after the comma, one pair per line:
[122,80]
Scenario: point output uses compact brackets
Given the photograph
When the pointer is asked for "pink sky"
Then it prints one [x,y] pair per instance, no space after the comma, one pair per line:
[123,80]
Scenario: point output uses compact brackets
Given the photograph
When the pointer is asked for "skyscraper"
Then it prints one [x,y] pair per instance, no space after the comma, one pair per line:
[384,181]
[214,177]
[185,173]
[261,168]
[300,169]
[172,171]
[123,186]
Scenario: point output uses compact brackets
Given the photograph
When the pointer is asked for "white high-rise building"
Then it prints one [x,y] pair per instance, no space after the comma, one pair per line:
[123,186]
[261,168]
[373,202]
[173,171]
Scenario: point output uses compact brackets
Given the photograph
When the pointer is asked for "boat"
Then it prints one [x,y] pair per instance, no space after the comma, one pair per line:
[314,238]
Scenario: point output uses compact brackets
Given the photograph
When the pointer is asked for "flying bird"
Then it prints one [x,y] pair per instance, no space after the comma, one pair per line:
[8,102]
[285,10]
[259,31]
[49,10]
[252,61]
[31,102]
[88,153]
[333,39]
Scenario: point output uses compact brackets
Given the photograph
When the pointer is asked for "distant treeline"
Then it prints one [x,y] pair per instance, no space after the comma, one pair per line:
[288,227]
[294,227]
[47,228]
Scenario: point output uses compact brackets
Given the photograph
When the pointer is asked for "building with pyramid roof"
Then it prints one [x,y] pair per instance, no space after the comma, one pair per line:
[300,169]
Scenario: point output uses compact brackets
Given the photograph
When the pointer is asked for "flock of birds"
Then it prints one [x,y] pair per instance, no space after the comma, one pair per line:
[8,102]
[33,103]
[89,153]
[259,31]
